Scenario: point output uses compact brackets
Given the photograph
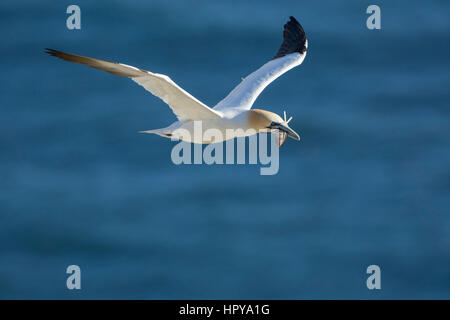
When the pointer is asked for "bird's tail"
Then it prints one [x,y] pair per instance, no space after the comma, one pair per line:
[160,132]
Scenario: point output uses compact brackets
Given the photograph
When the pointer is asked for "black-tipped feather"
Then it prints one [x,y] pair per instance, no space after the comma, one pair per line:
[111,67]
[294,39]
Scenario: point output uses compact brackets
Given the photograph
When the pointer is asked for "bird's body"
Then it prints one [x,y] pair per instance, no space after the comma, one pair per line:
[232,117]
[239,124]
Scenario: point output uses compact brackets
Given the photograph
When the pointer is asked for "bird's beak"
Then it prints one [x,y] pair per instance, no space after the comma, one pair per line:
[285,128]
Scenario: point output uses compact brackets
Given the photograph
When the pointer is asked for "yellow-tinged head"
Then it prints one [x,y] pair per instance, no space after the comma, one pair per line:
[265,120]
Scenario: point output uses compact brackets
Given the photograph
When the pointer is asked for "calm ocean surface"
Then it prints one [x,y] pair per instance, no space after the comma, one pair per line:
[369,183]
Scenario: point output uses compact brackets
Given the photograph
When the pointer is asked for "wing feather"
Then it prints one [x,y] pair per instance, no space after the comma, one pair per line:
[184,106]
[292,52]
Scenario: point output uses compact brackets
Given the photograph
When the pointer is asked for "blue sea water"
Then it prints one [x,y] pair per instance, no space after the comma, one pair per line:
[369,183]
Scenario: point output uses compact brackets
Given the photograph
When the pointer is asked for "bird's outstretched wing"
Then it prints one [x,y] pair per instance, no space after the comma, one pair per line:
[185,106]
[291,54]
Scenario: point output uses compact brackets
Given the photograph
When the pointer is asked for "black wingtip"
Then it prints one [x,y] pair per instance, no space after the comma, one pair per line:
[294,38]
[292,18]
[51,52]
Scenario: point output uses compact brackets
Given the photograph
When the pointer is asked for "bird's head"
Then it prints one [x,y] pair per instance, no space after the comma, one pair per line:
[269,121]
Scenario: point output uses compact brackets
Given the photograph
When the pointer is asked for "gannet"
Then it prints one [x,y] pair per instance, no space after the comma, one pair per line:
[234,111]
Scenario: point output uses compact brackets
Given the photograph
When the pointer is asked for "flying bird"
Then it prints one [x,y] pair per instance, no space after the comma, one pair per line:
[234,111]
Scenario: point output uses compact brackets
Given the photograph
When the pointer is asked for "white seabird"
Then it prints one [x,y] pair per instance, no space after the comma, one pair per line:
[233,112]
